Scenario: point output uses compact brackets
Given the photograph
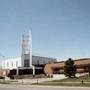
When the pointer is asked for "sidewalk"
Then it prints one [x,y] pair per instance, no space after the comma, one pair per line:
[39,80]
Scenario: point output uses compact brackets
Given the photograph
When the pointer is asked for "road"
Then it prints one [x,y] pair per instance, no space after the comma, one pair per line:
[30,87]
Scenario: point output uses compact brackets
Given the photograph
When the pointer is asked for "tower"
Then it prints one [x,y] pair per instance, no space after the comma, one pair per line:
[26,57]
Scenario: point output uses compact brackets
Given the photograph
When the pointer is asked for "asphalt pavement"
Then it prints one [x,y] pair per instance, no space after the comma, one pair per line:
[34,87]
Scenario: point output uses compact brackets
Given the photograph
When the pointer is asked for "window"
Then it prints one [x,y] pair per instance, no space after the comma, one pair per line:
[43,61]
[12,64]
[7,64]
[16,63]
[38,62]
[26,63]
[26,60]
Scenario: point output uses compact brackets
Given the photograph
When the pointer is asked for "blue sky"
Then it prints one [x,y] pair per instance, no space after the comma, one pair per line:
[60,28]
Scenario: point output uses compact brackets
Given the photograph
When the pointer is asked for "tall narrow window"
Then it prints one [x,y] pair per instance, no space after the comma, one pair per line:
[16,63]
[38,62]
[7,64]
[26,63]
[12,64]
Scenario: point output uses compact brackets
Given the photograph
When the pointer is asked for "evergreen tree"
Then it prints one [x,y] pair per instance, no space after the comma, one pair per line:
[88,69]
[70,68]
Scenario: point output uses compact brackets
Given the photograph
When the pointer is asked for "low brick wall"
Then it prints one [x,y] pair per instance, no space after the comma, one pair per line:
[80,64]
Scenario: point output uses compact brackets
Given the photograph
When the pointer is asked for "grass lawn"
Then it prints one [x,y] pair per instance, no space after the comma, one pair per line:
[85,78]
[69,82]
[7,81]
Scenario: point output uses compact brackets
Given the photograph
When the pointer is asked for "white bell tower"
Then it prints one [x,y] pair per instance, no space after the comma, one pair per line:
[26,56]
